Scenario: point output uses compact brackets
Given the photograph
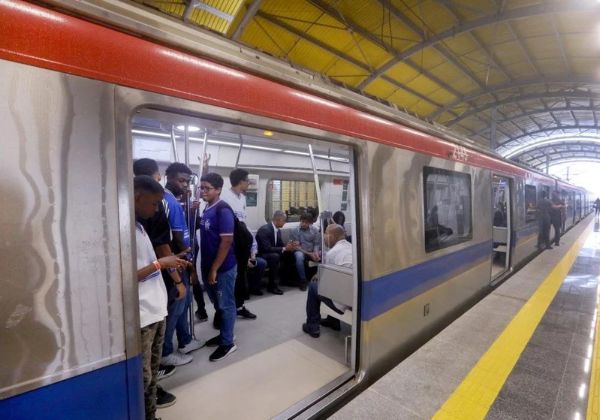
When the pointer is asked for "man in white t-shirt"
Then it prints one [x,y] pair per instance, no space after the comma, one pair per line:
[151,288]
[340,253]
[236,198]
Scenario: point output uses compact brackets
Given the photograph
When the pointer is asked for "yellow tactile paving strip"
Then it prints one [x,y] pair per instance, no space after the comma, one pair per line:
[475,395]
[593,410]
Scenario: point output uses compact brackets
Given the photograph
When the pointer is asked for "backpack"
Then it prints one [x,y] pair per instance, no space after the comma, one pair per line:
[242,238]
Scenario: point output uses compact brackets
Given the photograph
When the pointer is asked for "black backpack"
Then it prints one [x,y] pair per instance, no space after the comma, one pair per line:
[242,238]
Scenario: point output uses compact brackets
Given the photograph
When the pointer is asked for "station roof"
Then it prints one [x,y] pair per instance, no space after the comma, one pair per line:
[519,76]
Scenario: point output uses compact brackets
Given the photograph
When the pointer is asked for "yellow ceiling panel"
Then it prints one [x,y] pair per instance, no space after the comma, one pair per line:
[299,9]
[306,55]
[579,46]
[403,73]
[423,85]
[345,73]
[268,37]
[381,89]
[171,7]
[552,66]
[585,65]
[460,45]
[534,26]
[441,96]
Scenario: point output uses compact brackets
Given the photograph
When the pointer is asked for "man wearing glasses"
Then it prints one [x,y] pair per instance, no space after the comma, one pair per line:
[218,261]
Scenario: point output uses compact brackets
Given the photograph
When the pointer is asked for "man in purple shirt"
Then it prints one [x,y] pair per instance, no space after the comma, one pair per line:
[218,262]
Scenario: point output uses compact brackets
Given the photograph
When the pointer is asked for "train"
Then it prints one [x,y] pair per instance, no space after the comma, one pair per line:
[435,221]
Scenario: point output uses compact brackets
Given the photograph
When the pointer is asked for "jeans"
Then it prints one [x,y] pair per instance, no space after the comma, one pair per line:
[313,306]
[222,295]
[299,257]
[256,273]
[177,318]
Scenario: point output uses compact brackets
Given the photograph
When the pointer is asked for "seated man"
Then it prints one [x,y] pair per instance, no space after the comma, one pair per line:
[340,253]
[308,242]
[271,247]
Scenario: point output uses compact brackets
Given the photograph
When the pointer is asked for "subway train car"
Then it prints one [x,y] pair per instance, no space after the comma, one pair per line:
[435,222]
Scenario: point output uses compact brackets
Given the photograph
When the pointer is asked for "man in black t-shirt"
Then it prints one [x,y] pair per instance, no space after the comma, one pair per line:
[544,207]
[556,216]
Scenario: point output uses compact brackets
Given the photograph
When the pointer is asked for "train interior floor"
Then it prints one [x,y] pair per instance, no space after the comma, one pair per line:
[527,351]
[275,366]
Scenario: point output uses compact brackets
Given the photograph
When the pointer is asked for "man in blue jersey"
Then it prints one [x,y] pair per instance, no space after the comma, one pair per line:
[178,179]
[218,262]
[151,288]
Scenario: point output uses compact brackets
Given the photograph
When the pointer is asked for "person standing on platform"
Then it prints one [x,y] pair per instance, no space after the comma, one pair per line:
[236,198]
[151,288]
[178,179]
[597,206]
[218,262]
[556,216]
[543,212]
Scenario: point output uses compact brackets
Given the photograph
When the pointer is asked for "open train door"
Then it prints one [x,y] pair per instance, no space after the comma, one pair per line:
[501,225]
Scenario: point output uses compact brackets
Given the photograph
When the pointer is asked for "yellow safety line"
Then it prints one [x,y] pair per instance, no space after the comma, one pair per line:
[593,410]
[477,392]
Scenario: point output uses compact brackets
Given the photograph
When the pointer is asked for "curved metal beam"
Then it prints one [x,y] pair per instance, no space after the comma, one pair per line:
[553,129]
[540,111]
[543,95]
[562,80]
[520,150]
[248,16]
[574,160]
[508,15]
[556,157]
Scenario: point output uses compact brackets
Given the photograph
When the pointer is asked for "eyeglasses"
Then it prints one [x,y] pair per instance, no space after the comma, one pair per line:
[206,188]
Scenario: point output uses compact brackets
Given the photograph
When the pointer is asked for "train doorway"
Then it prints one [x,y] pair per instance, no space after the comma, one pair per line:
[501,225]
[280,367]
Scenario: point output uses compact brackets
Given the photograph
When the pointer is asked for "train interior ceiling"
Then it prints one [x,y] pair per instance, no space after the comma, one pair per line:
[276,365]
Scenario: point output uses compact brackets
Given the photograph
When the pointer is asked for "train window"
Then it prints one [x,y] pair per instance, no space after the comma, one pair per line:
[448,218]
[530,203]
[293,197]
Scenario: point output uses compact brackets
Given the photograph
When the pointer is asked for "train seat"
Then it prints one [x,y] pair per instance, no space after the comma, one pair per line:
[337,284]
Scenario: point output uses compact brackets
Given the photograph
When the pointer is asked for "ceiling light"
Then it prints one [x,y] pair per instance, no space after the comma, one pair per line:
[268,133]
[269,149]
[191,128]
[293,152]
[151,133]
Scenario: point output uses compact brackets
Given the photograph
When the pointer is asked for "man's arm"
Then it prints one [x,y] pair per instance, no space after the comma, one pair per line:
[165,251]
[264,243]
[165,262]
[226,227]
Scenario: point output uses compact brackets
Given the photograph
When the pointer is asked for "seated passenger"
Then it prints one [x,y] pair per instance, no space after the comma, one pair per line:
[340,253]
[271,247]
[308,243]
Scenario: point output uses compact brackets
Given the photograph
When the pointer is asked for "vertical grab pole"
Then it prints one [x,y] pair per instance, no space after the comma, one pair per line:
[237,160]
[318,188]
[174,144]
[190,223]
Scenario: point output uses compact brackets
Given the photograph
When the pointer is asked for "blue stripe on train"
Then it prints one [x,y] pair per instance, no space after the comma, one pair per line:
[111,392]
[387,292]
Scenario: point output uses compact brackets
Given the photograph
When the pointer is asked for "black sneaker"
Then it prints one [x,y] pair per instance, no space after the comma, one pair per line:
[164,371]
[245,313]
[331,322]
[222,352]
[214,342]
[201,317]
[164,399]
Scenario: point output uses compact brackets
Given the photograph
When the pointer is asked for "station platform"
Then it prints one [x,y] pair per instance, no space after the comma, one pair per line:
[528,350]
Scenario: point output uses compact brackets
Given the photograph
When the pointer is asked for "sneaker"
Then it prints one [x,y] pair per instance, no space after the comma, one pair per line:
[164,371]
[164,399]
[222,352]
[176,359]
[201,317]
[191,346]
[245,313]
[215,341]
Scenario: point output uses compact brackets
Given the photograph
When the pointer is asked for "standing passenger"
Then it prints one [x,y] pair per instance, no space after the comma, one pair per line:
[151,288]
[543,212]
[218,262]
[556,216]
[178,179]
[236,198]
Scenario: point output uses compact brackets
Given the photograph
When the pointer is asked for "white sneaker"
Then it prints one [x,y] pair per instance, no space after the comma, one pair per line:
[191,346]
[176,359]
